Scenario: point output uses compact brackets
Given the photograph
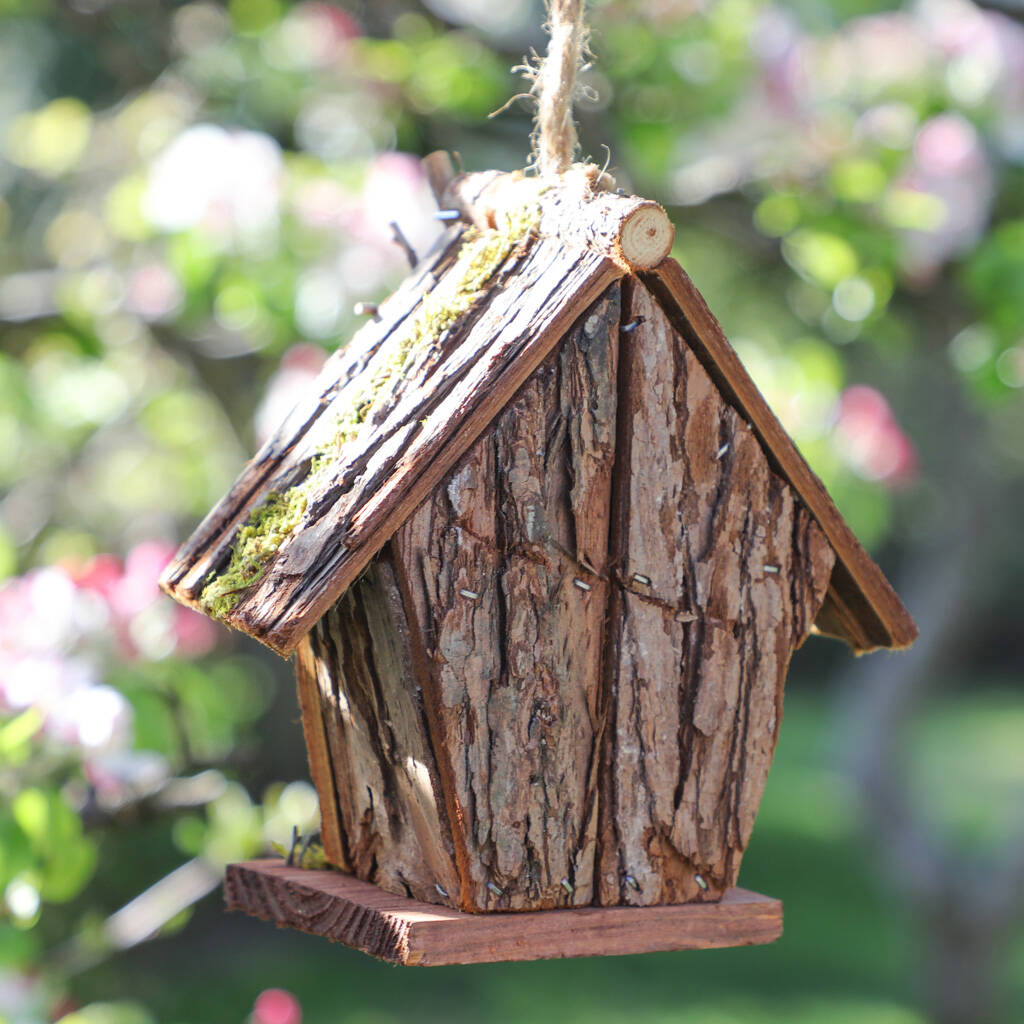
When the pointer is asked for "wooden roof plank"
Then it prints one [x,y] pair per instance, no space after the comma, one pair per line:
[283,456]
[515,330]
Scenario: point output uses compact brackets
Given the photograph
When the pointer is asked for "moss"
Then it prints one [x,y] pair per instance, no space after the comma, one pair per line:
[269,525]
[265,531]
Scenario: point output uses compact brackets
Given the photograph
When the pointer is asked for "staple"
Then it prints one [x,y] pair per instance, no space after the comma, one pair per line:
[398,236]
[700,880]
[495,889]
[639,577]
[471,594]
[721,451]
[441,891]
[632,325]
[568,886]
[771,568]
[631,882]
[577,582]
[448,215]
[367,309]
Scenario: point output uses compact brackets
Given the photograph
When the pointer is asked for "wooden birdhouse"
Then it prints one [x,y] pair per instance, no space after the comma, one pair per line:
[542,553]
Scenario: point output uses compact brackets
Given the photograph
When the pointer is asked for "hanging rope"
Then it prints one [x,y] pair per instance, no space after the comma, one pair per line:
[555,86]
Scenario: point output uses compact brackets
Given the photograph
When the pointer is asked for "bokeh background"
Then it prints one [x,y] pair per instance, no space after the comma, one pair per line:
[192,198]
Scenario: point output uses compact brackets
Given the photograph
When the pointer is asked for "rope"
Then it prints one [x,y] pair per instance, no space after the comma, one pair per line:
[555,86]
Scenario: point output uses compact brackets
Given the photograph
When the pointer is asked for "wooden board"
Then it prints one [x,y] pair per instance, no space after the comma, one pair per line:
[861,607]
[720,572]
[404,931]
[505,568]
[285,455]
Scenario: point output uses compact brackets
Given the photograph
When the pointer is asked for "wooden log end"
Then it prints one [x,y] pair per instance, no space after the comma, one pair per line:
[405,931]
[645,237]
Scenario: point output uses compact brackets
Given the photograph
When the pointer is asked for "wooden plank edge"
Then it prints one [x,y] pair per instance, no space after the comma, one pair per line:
[684,303]
[318,754]
[405,931]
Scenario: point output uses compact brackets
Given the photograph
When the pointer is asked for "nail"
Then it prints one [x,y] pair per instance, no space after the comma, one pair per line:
[366,309]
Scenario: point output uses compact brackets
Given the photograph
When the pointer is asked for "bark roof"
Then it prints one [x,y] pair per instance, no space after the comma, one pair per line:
[393,411]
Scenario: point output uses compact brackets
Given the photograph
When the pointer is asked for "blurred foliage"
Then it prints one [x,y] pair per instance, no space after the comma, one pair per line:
[192,198]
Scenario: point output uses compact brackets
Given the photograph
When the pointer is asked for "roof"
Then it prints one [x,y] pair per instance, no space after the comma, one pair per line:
[392,413]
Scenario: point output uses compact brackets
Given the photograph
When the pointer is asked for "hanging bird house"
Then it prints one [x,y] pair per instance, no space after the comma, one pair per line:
[542,553]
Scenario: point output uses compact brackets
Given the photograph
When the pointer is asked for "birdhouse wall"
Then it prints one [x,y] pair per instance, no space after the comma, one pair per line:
[561,682]
[722,571]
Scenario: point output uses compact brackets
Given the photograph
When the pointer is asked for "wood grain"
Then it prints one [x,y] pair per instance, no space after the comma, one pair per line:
[579,210]
[861,607]
[403,931]
[721,573]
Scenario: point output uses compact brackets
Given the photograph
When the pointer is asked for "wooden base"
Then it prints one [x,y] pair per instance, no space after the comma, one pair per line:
[405,931]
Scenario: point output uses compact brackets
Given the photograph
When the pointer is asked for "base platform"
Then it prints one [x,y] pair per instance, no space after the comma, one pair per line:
[405,931]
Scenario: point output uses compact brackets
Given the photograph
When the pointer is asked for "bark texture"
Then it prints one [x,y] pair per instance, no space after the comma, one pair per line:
[506,570]
[722,572]
[861,606]
[383,814]
[415,434]
[595,612]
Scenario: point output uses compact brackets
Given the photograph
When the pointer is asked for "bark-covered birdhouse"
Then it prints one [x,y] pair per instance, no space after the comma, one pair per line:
[542,553]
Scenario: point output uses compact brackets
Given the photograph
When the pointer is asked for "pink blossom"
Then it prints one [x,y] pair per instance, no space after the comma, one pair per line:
[276,1006]
[947,144]
[194,634]
[153,292]
[869,439]
[299,368]
[138,587]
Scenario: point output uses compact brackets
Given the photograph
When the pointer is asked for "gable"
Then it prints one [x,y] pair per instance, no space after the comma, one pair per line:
[394,410]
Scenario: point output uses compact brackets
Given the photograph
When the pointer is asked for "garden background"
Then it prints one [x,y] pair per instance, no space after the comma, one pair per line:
[192,199]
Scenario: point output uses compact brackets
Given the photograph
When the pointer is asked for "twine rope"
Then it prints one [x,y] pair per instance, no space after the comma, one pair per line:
[555,87]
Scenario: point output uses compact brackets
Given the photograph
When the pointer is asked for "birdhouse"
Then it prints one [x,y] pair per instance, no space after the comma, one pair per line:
[542,553]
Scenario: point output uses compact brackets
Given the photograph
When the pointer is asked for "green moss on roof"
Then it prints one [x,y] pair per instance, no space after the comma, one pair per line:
[271,523]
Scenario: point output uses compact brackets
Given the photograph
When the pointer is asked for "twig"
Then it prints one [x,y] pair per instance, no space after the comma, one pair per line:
[404,244]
